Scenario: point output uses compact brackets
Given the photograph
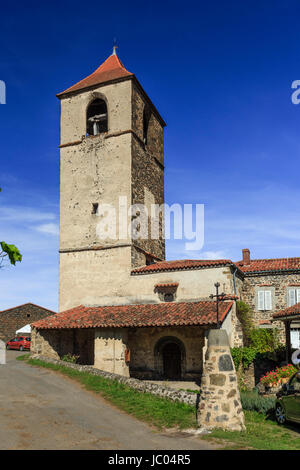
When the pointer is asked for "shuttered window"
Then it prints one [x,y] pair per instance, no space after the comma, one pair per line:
[264,300]
[295,338]
[293,296]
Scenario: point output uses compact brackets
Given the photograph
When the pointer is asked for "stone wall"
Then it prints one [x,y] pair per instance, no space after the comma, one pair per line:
[145,387]
[110,347]
[250,377]
[146,359]
[147,176]
[15,318]
[56,344]
[279,284]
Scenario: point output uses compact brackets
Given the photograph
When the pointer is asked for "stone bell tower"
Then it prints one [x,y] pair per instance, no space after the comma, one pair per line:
[111,152]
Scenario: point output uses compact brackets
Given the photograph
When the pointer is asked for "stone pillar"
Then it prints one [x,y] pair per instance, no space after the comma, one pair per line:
[220,403]
[110,347]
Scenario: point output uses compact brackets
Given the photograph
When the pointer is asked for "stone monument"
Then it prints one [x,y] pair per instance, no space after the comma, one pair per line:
[220,403]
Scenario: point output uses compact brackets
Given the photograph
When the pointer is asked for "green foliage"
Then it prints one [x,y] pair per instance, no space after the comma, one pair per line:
[244,356]
[9,251]
[70,358]
[252,401]
[264,339]
[261,343]
[262,433]
[245,316]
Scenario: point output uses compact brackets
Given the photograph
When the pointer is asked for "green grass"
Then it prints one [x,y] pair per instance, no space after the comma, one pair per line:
[156,411]
[261,432]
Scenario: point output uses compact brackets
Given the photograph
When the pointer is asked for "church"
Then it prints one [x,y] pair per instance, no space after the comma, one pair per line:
[122,307]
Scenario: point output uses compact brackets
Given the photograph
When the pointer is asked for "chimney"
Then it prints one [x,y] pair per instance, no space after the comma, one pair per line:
[246,256]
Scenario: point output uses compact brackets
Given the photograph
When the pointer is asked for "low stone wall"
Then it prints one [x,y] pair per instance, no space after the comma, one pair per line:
[251,376]
[188,398]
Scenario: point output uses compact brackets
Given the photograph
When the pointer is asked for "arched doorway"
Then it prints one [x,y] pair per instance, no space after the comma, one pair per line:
[169,355]
[172,361]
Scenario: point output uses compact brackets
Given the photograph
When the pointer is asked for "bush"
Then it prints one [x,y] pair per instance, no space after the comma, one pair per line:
[70,358]
[244,356]
[245,316]
[263,339]
[252,401]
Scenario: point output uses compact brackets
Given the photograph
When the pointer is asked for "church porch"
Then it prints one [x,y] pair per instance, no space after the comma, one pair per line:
[163,341]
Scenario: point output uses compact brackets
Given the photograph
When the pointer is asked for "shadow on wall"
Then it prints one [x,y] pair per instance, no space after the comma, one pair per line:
[79,342]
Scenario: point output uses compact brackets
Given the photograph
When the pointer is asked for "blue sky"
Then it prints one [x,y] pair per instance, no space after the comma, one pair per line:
[219,72]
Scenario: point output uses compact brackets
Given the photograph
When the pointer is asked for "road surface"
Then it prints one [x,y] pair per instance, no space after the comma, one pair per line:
[40,409]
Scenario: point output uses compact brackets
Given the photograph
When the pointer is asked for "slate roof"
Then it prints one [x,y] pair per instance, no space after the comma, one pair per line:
[143,315]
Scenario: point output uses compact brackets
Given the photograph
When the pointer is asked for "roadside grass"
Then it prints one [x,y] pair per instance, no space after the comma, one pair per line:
[156,411]
[261,433]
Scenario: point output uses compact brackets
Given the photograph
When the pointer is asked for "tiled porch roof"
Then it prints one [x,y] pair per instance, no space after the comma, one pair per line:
[293,311]
[143,315]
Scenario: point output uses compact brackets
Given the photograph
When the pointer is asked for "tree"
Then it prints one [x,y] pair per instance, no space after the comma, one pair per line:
[9,251]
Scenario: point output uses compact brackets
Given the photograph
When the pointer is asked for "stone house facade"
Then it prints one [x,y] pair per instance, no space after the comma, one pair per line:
[15,318]
[123,307]
[271,285]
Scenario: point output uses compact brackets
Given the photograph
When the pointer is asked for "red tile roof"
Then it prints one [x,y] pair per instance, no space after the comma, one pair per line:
[167,284]
[111,69]
[123,316]
[294,310]
[179,265]
[276,264]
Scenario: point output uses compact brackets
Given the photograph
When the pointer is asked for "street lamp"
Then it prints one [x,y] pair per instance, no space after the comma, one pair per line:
[218,296]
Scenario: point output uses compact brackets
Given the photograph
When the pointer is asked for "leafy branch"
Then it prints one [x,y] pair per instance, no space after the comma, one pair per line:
[9,252]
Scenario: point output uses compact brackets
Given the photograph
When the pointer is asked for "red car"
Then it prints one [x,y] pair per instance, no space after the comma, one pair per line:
[20,343]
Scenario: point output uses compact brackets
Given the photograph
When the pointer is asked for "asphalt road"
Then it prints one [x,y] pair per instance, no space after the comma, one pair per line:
[40,409]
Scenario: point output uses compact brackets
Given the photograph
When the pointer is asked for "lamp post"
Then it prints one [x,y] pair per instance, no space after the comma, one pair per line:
[218,296]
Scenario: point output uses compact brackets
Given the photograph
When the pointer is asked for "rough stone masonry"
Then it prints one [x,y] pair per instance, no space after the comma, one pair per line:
[220,403]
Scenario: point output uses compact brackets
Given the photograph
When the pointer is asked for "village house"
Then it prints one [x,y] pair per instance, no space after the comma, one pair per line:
[12,319]
[123,307]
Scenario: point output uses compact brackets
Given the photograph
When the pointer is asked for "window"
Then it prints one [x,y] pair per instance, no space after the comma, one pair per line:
[95,208]
[168,297]
[293,296]
[146,119]
[295,338]
[264,300]
[96,117]
[149,260]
